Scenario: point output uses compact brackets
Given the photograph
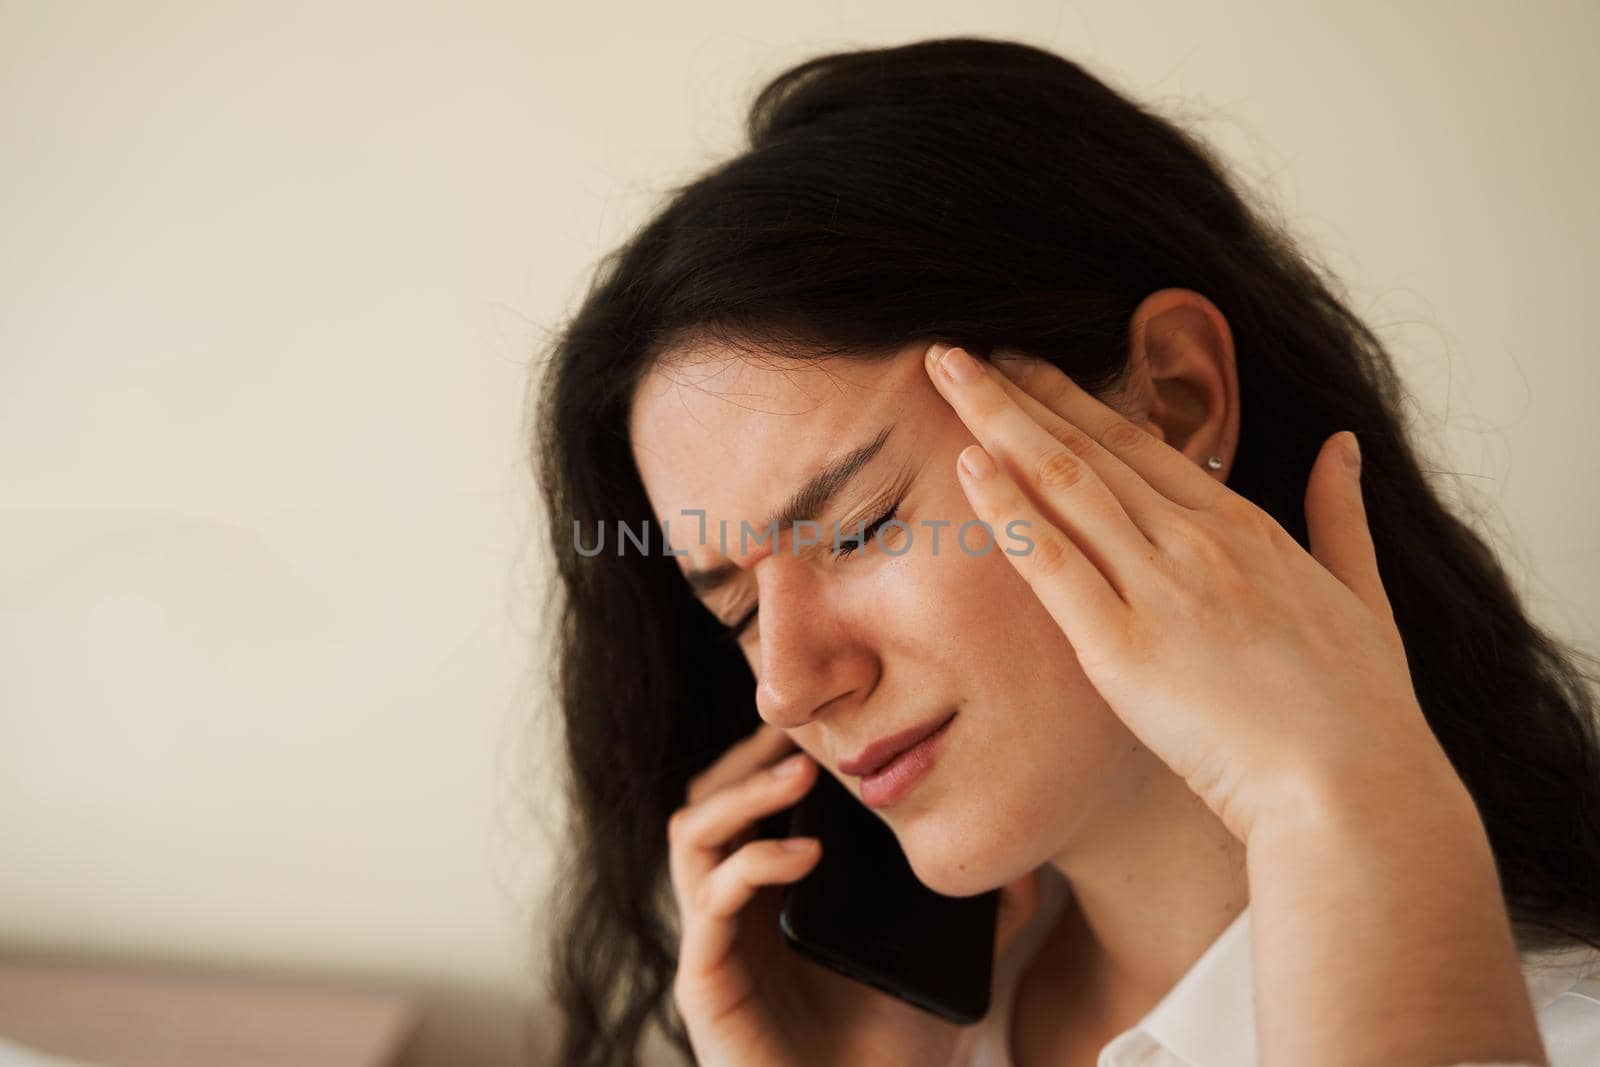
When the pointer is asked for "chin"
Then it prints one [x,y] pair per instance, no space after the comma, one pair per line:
[951,864]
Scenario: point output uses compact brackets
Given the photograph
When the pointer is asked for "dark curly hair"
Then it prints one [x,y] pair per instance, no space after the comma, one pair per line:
[990,194]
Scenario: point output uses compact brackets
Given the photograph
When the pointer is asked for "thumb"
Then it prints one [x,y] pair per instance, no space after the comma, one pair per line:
[1336,523]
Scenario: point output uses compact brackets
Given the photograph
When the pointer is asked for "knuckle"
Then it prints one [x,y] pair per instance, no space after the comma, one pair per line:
[1241,519]
[1201,545]
[1234,510]
[1205,575]
[1050,556]
[678,827]
[1051,390]
[1124,438]
[1264,527]
[1060,470]
[1071,438]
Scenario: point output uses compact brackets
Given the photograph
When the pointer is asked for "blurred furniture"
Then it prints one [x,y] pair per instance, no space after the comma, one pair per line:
[122,1016]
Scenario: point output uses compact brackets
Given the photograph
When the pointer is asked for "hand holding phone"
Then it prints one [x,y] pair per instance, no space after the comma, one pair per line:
[748,999]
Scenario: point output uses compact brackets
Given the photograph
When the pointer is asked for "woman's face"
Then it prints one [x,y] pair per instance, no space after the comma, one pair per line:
[848,650]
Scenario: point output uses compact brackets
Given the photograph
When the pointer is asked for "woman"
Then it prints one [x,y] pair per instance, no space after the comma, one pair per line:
[1266,755]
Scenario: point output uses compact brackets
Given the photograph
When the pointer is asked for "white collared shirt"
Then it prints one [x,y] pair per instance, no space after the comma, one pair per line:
[1208,1018]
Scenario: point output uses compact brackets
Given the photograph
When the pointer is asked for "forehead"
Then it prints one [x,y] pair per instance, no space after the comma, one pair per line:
[735,434]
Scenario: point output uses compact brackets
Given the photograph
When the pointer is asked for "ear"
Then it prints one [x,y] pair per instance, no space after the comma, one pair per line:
[1181,383]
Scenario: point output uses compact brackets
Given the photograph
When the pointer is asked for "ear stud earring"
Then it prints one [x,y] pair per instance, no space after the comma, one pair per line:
[1215,463]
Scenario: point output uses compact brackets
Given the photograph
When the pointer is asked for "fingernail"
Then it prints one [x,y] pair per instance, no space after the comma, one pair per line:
[799,844]
[791,766]
[1352,451]
[960,367]
[976,461]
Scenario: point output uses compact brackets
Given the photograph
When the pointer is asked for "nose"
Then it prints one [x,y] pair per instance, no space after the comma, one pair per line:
[811,653]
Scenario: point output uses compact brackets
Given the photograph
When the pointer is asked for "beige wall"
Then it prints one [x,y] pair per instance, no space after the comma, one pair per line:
[268,596]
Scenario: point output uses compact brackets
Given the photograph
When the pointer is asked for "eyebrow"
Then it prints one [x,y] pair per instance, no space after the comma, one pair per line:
[803,506]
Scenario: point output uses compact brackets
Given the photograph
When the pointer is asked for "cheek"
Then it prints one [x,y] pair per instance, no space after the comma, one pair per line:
[972,609]
[1041,751]
[976,630]
[934,604]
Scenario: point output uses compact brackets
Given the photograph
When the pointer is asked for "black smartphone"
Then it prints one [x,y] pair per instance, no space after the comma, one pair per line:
[862,911]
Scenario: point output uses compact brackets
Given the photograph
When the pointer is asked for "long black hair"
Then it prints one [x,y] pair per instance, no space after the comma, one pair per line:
[990,194]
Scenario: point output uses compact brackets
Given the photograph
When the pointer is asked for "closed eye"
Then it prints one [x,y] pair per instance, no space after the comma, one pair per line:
[845,547]
[853,544]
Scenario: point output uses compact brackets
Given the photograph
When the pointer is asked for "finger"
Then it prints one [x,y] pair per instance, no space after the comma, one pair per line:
[1157,463]
[741,759]
[1066,485]
[710,924]
[1336,525]
[1143,504]
[701,832]
[1073,588]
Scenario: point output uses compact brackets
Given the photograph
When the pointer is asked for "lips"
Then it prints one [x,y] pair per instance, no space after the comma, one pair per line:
[876,755]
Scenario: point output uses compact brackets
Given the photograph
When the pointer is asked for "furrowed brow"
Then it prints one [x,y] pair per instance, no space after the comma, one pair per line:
[804,506]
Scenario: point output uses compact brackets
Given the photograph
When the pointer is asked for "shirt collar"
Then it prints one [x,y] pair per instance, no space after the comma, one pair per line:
[1207,1019]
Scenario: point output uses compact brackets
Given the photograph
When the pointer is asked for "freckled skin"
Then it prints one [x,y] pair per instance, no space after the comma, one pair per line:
[845,651]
